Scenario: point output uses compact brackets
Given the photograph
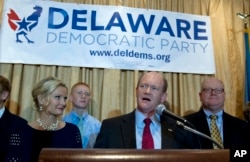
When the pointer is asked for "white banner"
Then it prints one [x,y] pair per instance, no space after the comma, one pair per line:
[68,34]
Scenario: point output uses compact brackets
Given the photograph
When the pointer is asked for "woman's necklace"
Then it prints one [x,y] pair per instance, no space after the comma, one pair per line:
[48,127]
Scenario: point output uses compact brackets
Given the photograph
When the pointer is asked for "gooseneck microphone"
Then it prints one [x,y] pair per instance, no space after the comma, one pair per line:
[161,110]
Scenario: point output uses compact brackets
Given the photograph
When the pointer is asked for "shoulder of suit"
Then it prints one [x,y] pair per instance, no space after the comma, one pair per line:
[234,119]
[125,117]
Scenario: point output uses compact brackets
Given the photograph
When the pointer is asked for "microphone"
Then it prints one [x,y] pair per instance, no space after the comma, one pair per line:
[161,110]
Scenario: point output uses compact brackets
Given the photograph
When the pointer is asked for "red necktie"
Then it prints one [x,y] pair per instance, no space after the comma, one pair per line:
[147,139]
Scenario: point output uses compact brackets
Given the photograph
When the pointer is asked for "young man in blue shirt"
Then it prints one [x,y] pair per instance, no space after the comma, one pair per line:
[89,126]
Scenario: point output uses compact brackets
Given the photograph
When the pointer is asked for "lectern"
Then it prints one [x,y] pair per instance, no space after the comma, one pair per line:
[132,155]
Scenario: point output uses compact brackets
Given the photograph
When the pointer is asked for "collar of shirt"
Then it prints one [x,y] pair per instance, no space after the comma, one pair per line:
[219,115]
[2,111]
[139,117]
[76,117]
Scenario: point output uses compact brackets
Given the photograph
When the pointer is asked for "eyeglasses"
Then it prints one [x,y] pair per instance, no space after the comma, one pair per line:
[215,90]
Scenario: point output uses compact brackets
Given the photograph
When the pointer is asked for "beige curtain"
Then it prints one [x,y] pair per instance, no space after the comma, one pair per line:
[114,90]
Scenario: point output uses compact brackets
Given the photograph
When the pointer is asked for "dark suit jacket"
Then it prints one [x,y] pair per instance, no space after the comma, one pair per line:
[119,132]
[12,128]
[236,132]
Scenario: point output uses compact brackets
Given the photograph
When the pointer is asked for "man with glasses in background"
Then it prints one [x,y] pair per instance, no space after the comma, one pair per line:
[233,133]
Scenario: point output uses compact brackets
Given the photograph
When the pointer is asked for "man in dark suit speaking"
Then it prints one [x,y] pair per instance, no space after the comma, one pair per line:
[143,128]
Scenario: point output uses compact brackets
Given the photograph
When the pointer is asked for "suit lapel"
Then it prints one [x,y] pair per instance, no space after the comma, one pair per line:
[6,117]
[228,129]
[203,127]
[128,130]
[167,130]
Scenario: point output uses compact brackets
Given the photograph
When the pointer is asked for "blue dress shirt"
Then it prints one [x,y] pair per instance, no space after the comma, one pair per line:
[90,126]
[155,128]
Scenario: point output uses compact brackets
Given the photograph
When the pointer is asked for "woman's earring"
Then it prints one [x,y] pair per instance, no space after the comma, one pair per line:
[40,108]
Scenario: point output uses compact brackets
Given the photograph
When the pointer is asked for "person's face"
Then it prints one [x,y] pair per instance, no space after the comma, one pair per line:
[57,102]
[149,92]
[3,96]
[80,96]
[212,95]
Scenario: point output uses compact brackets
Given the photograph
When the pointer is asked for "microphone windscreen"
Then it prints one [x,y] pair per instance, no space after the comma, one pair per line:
[160,108]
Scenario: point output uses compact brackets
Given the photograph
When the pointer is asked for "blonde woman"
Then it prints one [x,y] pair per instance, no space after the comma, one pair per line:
[49,96]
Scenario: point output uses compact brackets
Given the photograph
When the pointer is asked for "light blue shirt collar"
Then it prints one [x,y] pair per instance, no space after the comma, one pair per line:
[139,117]
[2,111]
[208,113]
[75,115]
